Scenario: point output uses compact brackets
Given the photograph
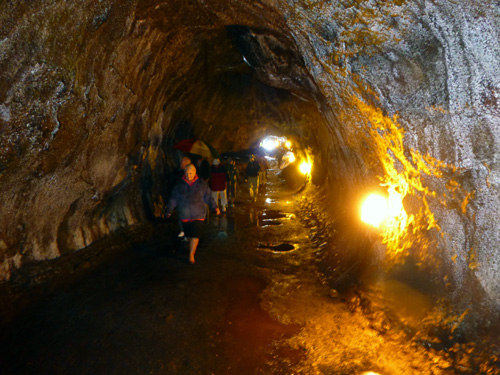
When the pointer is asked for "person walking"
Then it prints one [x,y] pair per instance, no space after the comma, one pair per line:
[253,169]
[232,181]
[218,183]
[190,196]
[185,161]
[203,169]
[264,166]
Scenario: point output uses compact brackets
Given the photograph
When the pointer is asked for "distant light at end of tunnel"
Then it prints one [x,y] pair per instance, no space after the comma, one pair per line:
[269,144]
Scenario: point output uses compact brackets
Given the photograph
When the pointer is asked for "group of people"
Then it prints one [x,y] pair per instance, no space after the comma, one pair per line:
[201,185]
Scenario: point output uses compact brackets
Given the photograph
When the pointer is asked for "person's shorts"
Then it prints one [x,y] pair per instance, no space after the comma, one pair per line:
[192,229]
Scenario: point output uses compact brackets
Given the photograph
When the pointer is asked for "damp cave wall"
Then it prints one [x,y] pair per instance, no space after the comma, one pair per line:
[93,95]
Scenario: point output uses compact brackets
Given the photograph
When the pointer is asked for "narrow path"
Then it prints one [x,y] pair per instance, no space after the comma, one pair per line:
[254,303]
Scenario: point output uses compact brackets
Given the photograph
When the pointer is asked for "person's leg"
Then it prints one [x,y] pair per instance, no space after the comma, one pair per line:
[251,187]
[215,196]
[256,188]
[223,200]
[193,244]
[195,231]
[181,233]
[229,193]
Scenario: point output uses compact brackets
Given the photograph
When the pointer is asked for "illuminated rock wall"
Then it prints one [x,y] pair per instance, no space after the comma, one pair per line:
[92,96]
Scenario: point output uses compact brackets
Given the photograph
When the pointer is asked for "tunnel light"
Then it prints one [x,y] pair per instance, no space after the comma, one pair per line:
[269,144]
[288,144]
[377,209]
[374,210]
[305,167]
[290,157]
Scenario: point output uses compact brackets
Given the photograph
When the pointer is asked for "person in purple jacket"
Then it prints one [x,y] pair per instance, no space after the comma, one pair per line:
[190,196]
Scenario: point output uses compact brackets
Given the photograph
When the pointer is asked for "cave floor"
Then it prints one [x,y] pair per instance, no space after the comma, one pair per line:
[255,302]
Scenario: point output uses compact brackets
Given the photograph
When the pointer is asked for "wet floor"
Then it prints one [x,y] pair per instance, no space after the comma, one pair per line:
[255,302]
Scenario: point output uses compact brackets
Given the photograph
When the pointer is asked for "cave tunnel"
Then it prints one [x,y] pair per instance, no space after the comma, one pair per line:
[399,98]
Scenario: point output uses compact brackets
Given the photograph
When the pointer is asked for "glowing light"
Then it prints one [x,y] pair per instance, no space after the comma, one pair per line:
[290,157]
[305,167]
[377,210]
[374,210]
[269,144]
[288,144]
[395,207]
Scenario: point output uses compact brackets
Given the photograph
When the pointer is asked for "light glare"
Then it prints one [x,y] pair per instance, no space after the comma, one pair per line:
[269,144]
[374,210]
[290,156]
[305,167]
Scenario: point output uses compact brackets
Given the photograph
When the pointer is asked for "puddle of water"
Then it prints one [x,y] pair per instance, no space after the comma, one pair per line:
[275,214]
[284,247]
[250,331]
[270,222]
[273,217]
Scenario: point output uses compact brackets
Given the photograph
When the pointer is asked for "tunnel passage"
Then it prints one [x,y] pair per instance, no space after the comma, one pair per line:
[385,95]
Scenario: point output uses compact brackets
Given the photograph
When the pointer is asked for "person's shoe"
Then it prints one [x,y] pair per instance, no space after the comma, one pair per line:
[191,260]
[181,234]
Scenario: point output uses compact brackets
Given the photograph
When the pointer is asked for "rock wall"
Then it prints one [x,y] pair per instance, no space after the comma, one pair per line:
[93,95]
[416,85]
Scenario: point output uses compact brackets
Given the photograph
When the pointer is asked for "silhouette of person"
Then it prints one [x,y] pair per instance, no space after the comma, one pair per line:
[253,169]
[232,181]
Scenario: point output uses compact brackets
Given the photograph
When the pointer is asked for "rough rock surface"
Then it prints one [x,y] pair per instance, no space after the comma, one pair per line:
[94,94]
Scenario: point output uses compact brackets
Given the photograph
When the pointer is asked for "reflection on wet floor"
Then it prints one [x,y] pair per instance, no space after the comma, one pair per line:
[249,330]
[281,248]
[262,218]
